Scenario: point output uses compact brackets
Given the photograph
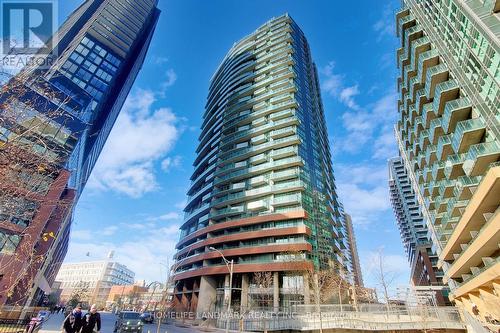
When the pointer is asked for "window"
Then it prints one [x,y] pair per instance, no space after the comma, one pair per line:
[8,242]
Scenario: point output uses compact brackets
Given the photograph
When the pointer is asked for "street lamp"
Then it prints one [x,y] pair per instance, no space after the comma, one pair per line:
[229,265]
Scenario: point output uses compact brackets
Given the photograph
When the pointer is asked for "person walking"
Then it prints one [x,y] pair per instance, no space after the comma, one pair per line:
[92,321]
[73,321]
[70,325]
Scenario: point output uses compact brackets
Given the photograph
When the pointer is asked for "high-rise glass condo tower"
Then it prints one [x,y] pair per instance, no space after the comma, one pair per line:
[54,121]
[353,248]
[448,134]
[425,276]
[262,194]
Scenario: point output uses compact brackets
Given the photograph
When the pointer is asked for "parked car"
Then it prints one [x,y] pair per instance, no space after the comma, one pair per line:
[128,321]
[147,317]
[43,315]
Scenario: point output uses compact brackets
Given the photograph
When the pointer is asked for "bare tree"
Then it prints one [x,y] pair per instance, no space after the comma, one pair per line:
[263,282]
[384,276]
[34,145]
[80,294]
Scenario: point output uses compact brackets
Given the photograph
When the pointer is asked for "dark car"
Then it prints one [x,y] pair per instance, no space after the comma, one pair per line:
[128,321]
[147,317]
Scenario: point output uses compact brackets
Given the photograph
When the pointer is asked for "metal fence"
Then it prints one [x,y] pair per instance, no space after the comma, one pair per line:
[361,317]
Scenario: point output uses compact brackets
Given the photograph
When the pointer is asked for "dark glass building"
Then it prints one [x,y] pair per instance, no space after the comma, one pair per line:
[425,276]
[74,103]
[263,193]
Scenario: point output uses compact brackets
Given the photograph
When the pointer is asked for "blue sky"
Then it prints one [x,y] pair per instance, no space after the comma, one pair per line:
[133,202]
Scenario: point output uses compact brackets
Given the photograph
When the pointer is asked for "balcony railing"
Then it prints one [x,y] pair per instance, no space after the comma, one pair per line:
[455,111]
[453,165]
[467,132]
[480,156]
[443,147]
[445,91]
[435,74]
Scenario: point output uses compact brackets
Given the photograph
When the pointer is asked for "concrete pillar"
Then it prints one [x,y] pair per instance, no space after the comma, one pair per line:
[244,292]
[276,291]
[226,290]
[317,299]
[207,294]
[307,295]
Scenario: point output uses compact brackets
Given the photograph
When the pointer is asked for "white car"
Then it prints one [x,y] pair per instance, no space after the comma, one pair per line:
[43,315]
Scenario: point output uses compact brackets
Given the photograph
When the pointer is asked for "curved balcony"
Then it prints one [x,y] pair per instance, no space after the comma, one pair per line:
[196,213]
[236,154]
[246,235]
[293,266]
[262,168]
[245,251]
[241,136]
[297,214]
[243,196]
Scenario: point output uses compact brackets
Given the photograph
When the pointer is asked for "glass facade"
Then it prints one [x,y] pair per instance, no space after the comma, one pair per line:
[69,110]
[263,176]
[448,134]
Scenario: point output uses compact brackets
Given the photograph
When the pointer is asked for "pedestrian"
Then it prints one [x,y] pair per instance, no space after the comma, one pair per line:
[92,321]
[70,324]
[77,313]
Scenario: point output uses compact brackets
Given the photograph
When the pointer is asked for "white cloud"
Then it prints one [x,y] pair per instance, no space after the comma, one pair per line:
[143,254]
[141,136]
[109,231]
[332,83]
[166,217]
[395,266]
[159,60]
[169,81]
[347,96]
[372,123]
[385,24]
[171,162]
[385,145]
[181,204]
[364,191]
[364,204]
[363,173]
[82,234]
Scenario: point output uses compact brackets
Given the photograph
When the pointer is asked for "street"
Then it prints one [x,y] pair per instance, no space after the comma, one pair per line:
[54,323]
